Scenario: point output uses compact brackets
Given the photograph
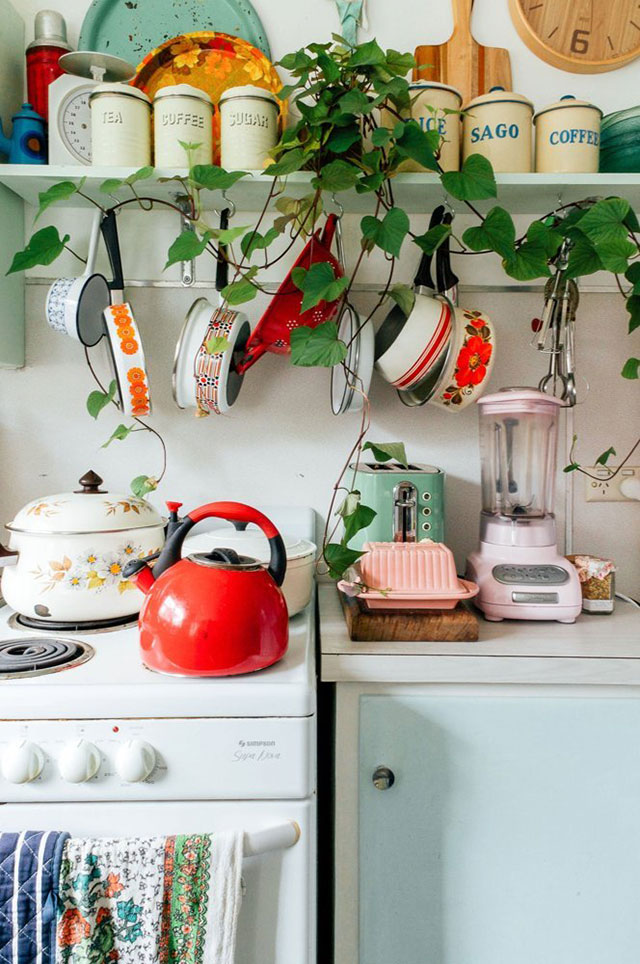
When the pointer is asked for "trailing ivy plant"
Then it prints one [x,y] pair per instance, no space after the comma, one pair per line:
[353,133]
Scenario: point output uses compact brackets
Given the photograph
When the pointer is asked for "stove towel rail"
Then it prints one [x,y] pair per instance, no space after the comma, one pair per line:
[280,837]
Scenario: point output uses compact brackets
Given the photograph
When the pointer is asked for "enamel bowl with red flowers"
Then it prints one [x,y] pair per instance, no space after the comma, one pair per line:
[467,370]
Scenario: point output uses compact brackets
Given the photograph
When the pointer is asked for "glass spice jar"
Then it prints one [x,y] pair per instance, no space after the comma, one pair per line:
[597,581]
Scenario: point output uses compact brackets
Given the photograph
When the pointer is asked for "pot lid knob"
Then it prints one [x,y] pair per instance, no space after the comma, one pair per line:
[90,483]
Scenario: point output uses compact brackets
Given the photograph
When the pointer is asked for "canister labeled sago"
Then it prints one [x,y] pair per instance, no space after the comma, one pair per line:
[182,113]
[497,125]
[568,137]
[120,126]
[248,127]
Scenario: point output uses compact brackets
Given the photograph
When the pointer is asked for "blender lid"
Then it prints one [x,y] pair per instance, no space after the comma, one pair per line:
[518,397]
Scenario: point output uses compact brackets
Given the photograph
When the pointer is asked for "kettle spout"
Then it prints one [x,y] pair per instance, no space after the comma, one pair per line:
[8,557]
[139,572]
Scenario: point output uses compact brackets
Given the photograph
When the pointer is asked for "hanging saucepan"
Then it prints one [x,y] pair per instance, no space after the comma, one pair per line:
[202,379]
[74,305]
[407,348]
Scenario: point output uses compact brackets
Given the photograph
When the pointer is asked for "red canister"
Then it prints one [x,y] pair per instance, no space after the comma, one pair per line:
[43,54]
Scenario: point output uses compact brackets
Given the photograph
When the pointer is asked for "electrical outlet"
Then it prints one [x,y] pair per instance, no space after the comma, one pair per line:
[624,487]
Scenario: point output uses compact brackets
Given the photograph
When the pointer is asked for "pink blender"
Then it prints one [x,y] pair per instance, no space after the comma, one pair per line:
[517,566]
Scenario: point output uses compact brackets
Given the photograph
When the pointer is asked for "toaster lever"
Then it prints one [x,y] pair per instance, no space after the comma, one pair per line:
[405,512]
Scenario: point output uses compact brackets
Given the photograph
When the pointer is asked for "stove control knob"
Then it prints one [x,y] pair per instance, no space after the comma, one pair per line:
[79,761]
[22,762]
[135,761]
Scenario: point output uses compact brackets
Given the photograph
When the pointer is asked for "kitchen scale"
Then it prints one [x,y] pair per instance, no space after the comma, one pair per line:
[517,566]
[69,110]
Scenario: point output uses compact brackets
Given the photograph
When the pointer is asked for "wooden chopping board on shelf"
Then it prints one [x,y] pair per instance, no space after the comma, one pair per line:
[365,625]
[462,62]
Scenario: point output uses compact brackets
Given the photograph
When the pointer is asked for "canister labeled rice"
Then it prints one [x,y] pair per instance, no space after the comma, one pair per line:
[182,113]
[248,127]
[429,101]
[497,125]
[568,137]
[120,126]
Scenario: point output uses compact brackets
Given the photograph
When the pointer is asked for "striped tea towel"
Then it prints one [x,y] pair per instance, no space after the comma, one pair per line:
[29,872]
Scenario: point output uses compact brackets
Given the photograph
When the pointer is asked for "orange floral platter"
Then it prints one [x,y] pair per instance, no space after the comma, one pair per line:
[210,61]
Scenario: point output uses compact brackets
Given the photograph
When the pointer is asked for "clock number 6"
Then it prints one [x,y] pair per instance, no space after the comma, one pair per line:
[579,42]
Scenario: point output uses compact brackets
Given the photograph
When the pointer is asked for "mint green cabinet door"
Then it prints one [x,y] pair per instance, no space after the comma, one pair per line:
[511,834]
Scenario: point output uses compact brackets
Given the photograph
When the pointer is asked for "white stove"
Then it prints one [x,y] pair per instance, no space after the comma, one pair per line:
[104,747]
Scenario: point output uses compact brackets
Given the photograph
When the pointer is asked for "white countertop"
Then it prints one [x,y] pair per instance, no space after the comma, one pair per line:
[595,649]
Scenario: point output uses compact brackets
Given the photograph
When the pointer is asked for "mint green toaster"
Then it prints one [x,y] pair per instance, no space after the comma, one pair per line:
[409,503]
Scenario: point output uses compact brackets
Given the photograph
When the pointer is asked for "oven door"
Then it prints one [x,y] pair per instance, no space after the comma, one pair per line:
[277,918]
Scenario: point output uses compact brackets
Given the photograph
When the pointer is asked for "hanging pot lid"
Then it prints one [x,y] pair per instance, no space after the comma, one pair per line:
[251,543]
[86,510]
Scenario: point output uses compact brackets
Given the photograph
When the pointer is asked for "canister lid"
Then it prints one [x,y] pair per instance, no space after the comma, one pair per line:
[566,102]
[498,95]
[434,85]
[249,90]
[182,90]
[122,90]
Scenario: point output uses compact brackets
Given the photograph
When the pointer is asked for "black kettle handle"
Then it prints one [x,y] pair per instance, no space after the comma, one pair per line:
[423,277]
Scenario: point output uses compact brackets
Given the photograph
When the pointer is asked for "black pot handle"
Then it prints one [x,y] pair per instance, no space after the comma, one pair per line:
[109,230]
[423,277]
[222,267]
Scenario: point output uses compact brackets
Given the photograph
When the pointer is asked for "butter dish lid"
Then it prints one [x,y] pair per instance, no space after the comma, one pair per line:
[567,101]
[498,95]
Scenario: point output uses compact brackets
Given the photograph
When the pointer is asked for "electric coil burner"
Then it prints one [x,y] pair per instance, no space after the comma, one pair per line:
[49,625]
[37,655]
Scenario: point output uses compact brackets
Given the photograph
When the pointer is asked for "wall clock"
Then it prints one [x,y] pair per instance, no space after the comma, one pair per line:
[581,36]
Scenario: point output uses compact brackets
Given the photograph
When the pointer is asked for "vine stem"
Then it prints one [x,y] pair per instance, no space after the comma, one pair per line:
[612,472]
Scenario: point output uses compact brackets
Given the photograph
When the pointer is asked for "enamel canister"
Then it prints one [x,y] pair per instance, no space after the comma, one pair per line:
[429,102]
[568,137]
[120,126]
[498,126]
[182,113]
[248,127]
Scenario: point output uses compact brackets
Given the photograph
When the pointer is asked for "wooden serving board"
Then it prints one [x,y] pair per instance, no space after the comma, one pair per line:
[457,625]
[462,62]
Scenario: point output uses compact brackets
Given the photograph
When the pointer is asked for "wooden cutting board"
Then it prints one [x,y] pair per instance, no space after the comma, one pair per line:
[457,625]
[462,62]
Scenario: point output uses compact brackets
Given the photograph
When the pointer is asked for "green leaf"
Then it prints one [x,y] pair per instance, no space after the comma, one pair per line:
[399,63]
[317,346]
[362,517]
[387,234]
[367,55]
[254,241]
[571,467]
[318,284]
[404,296]
[354,102]
[370,182]
[349,504]
[43,248]
[431,240]
[474,182]
[214,178]
[329,67]
[419,145]
[337,176]
[289,162]
[339,558]
[528,262]
[497,232]
[631,368]
[632,274]
[119,434]
[633,307]
[604,222]
[615,254]
[111,185]
[386,451]
[61,191]
[604,458]
[631,220]
[140,175]
[381,136]
[242,290]
[217,345]
[98,400]
[583,258]
[142,485]
[543,234]
[342,138]
[187,246]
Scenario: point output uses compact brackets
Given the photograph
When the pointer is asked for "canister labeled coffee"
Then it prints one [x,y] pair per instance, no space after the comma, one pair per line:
[182,114]
[568,137]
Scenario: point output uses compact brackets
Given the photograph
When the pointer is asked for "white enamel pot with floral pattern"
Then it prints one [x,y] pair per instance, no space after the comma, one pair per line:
[71,550]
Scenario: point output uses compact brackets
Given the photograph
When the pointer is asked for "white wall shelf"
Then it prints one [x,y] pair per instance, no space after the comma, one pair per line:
[417,193]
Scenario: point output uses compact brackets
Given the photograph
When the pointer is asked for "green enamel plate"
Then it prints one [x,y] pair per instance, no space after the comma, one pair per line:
[133,28]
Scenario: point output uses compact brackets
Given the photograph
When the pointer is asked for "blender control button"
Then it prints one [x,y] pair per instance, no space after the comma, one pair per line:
[22,762]
[79,761]
[426,496]
[540,598]
[426,510]
[426,526]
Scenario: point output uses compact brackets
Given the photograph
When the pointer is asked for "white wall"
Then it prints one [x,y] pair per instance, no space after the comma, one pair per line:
[280,443]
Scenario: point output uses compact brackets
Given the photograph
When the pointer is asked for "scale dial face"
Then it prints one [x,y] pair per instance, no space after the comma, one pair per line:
[74,124]
[581,36]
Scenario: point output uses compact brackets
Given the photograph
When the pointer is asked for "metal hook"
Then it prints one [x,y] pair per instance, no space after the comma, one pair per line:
[229,204]
[449,206]
[339,206]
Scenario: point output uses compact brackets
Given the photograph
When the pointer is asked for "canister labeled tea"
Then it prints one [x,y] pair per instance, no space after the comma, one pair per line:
[120,126]
[429,101]
[248,127]
[497,125]
[182,113]
[568,137]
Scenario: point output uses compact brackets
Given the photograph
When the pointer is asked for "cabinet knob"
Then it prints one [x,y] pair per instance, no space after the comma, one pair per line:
[383,778]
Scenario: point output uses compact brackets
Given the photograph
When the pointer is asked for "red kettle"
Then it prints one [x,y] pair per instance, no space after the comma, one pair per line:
[215,613]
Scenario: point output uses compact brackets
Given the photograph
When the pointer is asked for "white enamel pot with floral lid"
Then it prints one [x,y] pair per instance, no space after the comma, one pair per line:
[67,553]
